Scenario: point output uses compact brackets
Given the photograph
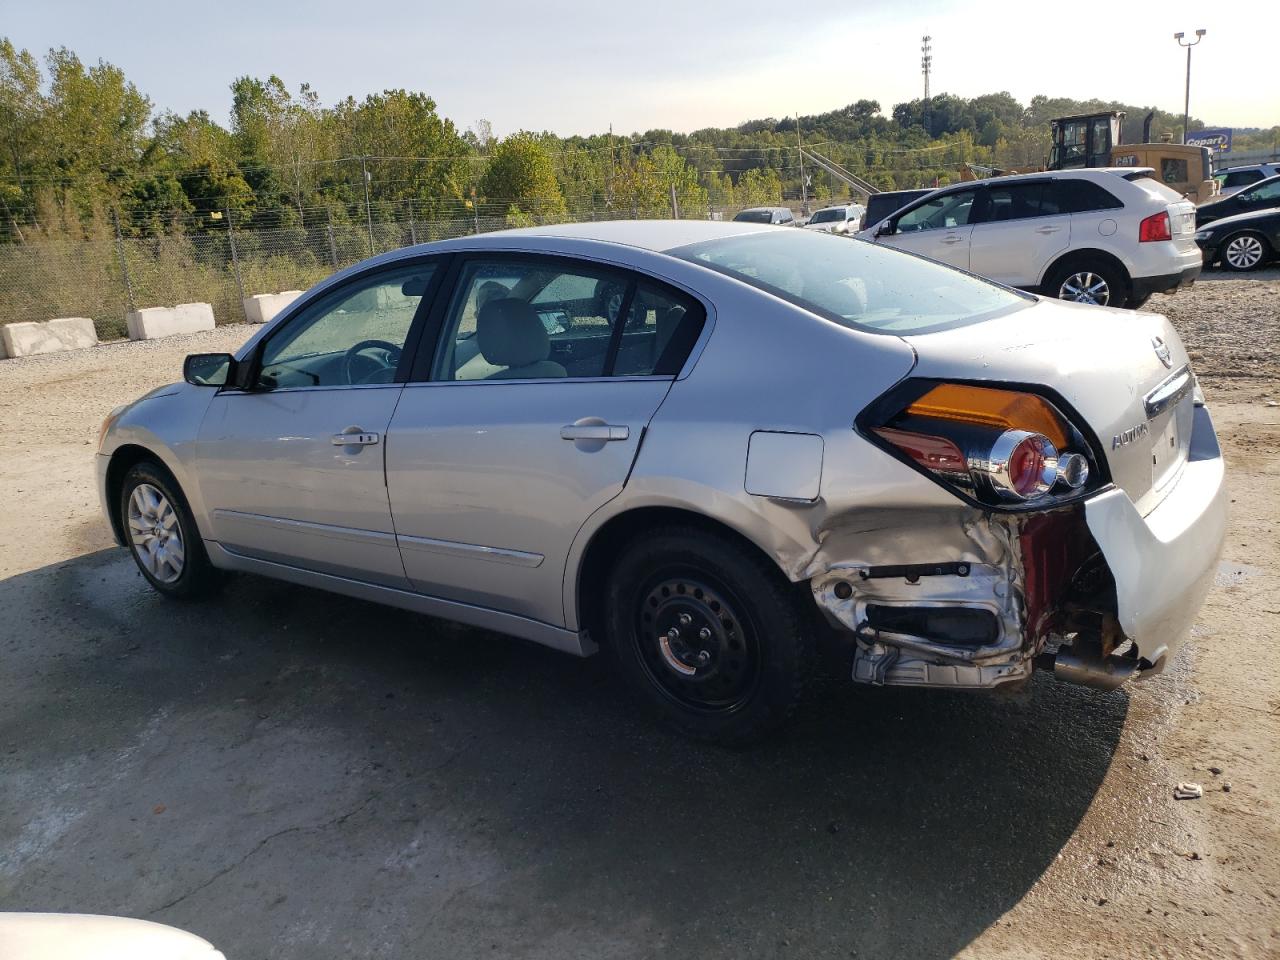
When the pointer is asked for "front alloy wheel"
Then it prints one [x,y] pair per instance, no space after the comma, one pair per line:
[155,533]
[162,535]
[1243,253]
[1085,286]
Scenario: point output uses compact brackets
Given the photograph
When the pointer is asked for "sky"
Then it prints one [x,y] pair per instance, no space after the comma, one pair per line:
[572,66]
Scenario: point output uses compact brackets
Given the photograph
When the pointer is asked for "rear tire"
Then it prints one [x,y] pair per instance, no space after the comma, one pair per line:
[1094,282]
[1243,252]
[162,535]
[708,634]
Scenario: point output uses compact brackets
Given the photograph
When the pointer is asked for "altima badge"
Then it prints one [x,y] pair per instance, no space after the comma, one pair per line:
[1162,351]
[1126,437]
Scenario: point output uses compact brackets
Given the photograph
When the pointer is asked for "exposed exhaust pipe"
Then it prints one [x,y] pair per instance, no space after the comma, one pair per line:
[1103,673]
[1146,127]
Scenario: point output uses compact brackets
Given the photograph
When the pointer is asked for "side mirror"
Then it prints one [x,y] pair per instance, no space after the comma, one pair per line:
[885,229]
[209,369]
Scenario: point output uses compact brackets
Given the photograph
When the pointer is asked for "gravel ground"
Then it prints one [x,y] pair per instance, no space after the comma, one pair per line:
[295,775]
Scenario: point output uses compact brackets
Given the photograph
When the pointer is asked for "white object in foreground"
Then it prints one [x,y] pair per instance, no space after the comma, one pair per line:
[151,323]
[53,336]
[72,936]
[263,307]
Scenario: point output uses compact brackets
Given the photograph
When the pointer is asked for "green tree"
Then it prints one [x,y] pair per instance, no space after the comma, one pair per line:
[520,173]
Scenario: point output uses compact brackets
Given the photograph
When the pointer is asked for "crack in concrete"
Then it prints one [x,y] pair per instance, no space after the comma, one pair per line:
[259,846]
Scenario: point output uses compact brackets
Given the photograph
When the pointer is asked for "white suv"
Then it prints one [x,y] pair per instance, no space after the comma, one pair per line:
[845,218]
[1107,236]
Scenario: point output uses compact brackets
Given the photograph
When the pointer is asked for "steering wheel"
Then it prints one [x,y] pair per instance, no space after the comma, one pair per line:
[375,366]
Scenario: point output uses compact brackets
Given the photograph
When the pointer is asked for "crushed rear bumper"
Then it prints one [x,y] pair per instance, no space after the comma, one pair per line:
[973,599]
[1163,564]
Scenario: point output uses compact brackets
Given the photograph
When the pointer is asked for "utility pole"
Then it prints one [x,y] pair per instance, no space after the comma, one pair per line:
[804,187]
[368,213]
[926,67]
[124,262]
[235,257]
[608,190]
[1186,103]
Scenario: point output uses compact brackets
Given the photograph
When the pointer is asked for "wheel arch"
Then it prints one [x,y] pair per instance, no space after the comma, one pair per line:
[585,579]
[124,458]
[1083,255]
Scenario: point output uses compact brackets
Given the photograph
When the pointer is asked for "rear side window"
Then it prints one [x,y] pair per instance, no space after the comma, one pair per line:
[662,327]
[1242,178]
[1082,196]
[1020,201]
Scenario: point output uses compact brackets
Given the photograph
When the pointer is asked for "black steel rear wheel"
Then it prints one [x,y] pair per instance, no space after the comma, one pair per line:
[708,632]
[694,644]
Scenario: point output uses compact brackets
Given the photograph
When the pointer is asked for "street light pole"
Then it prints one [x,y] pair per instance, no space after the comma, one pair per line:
[1186,103]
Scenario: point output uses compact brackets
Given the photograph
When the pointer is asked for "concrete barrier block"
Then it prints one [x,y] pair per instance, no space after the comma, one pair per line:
[150,323]
[75,333]
[263,307]
[54,336]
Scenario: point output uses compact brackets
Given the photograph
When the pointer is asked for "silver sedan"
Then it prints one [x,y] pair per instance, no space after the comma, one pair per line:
[729,455]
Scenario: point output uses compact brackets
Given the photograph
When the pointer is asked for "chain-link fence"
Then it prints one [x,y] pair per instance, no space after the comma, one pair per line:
[224,258]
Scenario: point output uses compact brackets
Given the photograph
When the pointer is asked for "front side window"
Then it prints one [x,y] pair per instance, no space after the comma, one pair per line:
[949,210]
[536,319]
[855,283]
[351,337]
[1265,191]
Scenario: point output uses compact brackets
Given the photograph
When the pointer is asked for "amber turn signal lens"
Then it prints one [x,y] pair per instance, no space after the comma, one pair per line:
[1002,409]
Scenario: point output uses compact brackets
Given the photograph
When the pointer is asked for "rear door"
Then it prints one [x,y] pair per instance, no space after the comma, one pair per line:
[527,419]
[1020,230]
[939,227]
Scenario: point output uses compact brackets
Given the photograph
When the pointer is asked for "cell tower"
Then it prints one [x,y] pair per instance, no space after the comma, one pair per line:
[926,67]
[926,62]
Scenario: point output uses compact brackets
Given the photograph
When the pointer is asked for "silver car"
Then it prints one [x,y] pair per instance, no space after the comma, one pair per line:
[730,456]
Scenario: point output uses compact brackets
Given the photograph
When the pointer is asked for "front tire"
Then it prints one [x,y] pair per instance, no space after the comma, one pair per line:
[162,535]
[1243,252]
[1094,282]
[708,634]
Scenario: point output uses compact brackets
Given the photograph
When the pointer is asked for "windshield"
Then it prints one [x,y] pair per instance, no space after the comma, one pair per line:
[755,216]
[826,216]
[855,283]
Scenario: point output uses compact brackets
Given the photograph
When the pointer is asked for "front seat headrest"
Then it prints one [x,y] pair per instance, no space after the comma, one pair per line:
[510,333]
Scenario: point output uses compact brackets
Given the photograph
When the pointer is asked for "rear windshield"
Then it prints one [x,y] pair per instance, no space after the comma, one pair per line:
[1154,187]
[755,216]
[826,216]
[858,284]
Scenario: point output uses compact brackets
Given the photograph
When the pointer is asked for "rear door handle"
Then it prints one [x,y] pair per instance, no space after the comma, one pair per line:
[594,431]
[953,239]
[354,437]
[1047,230]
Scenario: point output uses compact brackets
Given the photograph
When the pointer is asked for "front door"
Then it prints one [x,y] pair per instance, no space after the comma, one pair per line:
[938,227]
[531,417]
[292,469]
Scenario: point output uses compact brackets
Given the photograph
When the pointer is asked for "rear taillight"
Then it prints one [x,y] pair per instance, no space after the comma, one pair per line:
[1002,447]
[1155,227]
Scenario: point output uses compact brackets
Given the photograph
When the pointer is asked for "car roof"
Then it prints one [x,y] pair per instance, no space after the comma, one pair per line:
[656,235]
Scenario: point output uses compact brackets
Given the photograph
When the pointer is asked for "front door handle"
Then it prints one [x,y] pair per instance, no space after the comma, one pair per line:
[594,431]
[354,437]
